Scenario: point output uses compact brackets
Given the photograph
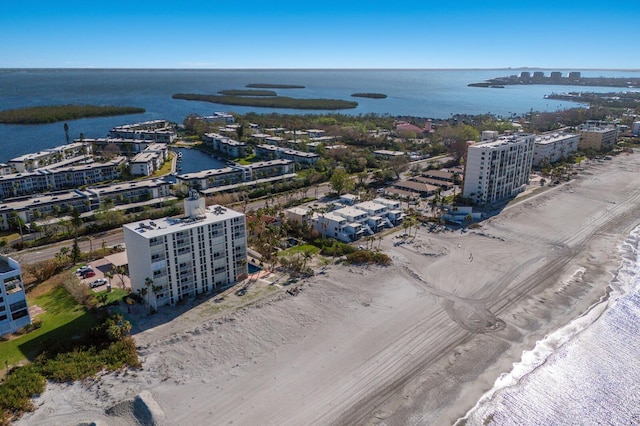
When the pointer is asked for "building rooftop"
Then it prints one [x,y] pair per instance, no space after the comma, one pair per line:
[158,227]
[6,264]
[550,138]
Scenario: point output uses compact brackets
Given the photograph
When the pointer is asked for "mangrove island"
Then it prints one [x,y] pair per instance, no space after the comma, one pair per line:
[55,113]
[270,102]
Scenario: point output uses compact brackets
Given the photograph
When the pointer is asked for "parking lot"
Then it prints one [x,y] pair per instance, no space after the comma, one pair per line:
[98,281]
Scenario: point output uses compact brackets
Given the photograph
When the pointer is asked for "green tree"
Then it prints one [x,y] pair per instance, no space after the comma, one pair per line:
[340,181]
[75,251]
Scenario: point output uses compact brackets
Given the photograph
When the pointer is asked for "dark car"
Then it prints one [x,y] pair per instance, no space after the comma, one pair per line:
[88,274]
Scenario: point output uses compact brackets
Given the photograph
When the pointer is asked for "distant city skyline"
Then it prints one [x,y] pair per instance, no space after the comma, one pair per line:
[319,34]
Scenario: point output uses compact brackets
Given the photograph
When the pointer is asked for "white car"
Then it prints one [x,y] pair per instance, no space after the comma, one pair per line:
[84,269]
[98,283]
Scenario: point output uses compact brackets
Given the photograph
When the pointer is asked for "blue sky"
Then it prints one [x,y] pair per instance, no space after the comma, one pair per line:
[319,34]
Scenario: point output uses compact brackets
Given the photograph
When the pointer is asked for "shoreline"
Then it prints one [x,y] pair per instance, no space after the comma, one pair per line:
[371,345]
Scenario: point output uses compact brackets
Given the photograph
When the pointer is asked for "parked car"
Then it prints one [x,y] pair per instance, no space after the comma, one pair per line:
[83,269]
[98,283]
[88,274]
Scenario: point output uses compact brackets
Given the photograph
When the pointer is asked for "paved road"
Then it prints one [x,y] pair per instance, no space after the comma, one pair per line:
[86,244]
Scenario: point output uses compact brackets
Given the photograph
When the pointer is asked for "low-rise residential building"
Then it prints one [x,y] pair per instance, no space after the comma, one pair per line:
[226,145]
[173,259]
[14,312]
[386,154]
[118,146]
[6,169]
[48,157]
[298,214]
[145,163]
[272,152]
[47,180]
[156,130]
[499,169]
[597,135]
[349,199]
[123,193]
[394,210]
[212,178]
[315,133]
[220,117]
[552,147]
[333,225]
[229,176]
[42,207]
[419,188]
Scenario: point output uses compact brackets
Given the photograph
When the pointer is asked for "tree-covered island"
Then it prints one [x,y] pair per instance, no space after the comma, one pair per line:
[369,95]
[56,113]
[270,102]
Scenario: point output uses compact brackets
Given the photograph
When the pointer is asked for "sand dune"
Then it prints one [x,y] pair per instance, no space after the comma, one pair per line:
[414,343]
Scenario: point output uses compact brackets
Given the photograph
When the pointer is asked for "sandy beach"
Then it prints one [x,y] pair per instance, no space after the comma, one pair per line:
[418,342]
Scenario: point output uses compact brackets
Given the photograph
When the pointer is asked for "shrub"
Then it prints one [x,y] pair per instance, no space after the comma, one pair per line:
[368,257]
[17,389]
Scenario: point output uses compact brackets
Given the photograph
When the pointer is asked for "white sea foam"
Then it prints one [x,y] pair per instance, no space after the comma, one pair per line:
[584,373]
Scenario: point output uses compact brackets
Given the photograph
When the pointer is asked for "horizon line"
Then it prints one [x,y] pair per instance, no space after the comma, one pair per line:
[316,69]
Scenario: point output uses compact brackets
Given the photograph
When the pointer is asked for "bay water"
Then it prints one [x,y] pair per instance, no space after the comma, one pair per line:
[417,93]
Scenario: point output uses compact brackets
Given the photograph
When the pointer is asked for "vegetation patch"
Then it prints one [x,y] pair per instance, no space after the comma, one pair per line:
[300,250]
[274,86]
[331,247]
[270,102]
[369,95]
[55,113]
[368,257]
[248,93]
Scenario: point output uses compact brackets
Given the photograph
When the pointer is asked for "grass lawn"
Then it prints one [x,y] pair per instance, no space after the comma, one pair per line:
[116,295]
[303,248]
[249,159]
[63,318]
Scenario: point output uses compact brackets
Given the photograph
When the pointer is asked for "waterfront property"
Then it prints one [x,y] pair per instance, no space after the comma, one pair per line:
[156,130]
[225,145]
[119,146]
[60,155]
[552,147]
[173,259]
[498,169]
[14,312]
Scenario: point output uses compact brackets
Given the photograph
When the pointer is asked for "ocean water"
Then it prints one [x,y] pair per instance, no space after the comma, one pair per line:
[419,93]
[586,373]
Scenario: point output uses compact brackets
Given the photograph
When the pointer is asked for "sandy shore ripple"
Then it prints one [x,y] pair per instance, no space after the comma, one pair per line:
[418,342]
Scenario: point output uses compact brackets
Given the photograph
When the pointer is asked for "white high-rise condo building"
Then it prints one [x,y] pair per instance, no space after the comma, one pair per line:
[14,313]
[178,258]
[499,169]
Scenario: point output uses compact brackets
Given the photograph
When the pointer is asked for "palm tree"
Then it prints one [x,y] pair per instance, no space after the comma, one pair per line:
[155,289]
[66,132]
[148,282]
[108,275]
